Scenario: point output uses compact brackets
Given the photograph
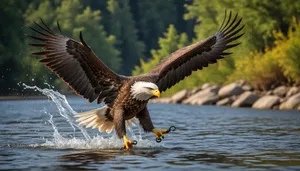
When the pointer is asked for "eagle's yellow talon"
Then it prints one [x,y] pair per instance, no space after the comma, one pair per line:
[159,133]
[127,143]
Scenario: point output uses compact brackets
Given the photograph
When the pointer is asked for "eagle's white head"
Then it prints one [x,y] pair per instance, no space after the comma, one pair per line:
[143,91]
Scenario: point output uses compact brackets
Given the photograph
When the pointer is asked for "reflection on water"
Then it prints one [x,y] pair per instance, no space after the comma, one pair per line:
[267,159]
[102,156]
[206,138]
[262,160]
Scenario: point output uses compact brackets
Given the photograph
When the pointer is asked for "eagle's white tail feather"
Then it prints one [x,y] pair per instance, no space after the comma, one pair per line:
[97,119]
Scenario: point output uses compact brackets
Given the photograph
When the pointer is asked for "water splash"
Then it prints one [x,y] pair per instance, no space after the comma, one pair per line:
[96,142]
[65,110]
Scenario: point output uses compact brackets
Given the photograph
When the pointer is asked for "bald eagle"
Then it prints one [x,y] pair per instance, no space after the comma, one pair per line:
[126,97]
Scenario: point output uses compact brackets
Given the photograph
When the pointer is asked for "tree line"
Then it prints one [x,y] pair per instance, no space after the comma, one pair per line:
[131,36]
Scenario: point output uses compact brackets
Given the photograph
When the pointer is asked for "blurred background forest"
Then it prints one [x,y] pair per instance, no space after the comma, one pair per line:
[131,36]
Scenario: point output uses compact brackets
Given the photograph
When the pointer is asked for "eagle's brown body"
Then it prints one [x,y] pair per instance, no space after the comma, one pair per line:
[88,76]
[130,108]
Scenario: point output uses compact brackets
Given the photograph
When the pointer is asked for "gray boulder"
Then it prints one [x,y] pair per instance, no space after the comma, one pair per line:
[205,86]
[207,100]
[195,90]
[292,102]
[205,94]
[232,89]
[225,101]
[270,92]
[179,96]
[245,100]
[292,91]
[280,91]
[266,102]
[247,87]
[161,100]
[209,92]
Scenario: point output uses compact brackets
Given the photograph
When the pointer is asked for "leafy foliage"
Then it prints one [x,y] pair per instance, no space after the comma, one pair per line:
[11,44]
[261,67]
[125,32]
[88,22]
[168,44]
[122,26]
[154,18]
[260,17]
[277,65]
[73,19]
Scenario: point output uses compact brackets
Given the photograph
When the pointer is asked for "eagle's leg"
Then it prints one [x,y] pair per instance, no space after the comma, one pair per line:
[147,125]
[128,144]
[120,129]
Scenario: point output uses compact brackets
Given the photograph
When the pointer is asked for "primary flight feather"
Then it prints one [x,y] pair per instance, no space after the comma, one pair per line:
[126,97]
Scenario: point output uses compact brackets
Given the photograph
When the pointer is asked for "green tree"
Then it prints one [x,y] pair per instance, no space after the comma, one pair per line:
[99,5]
[122,26]
[72,19]
[261,17]
[279,64]
[33,71]
[66,13]
[167,44]
[171,42]
[154,17]
[103,46]
[35,11]
[11,44]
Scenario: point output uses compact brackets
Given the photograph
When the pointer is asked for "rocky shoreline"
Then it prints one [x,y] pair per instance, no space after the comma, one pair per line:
[238,94]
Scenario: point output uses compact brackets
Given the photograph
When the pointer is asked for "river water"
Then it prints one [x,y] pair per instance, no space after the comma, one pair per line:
[42,135]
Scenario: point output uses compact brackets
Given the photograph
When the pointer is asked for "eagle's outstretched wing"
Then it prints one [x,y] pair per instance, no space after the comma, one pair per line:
[77,65]
[181,63]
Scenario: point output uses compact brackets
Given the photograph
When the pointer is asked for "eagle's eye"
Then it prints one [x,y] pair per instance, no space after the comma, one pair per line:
[149,88]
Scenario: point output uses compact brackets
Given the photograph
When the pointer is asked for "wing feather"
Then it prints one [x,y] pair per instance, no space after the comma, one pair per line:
[181,63]
[76,64]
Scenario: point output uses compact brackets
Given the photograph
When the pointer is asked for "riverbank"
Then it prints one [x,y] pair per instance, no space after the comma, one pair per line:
[238,94]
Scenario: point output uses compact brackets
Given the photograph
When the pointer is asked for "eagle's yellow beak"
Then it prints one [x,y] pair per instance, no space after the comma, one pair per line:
[156,93]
